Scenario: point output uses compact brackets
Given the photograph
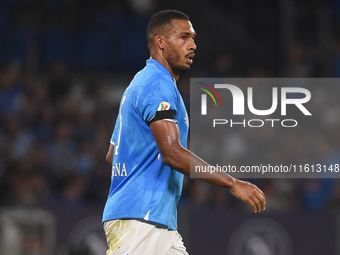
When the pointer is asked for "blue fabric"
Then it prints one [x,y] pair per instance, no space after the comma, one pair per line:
[141,184]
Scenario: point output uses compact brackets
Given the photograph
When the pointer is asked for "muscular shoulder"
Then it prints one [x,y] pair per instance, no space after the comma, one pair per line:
[153,83]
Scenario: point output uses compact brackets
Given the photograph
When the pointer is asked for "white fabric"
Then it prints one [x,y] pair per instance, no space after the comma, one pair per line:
[136,237]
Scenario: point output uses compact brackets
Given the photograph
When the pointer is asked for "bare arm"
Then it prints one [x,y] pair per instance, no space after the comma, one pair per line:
[109,155]
[167,136]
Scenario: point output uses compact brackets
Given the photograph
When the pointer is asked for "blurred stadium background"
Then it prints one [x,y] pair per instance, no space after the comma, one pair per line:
[63,67]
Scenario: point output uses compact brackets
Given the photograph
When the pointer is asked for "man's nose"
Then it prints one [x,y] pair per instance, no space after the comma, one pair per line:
[192,45]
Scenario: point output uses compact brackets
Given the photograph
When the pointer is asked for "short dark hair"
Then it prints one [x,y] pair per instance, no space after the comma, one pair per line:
[161,19]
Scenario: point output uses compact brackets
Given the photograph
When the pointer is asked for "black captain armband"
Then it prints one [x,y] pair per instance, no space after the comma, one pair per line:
[161,115]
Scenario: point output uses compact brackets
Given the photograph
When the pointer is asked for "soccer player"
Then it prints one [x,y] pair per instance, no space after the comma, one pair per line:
[148,149]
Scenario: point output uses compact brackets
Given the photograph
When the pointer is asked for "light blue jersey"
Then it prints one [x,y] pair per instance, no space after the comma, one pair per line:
[142,186]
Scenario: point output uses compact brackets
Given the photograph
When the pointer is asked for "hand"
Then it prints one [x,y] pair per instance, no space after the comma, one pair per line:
[250,194]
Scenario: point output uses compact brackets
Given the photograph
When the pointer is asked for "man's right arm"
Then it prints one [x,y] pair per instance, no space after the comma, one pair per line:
[109,155]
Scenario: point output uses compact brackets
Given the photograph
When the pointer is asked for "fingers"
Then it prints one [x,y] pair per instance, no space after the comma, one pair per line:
[257,200]
[259,191]
[263,201]
[252,204]
[250,194]
[258,203]
[260,196]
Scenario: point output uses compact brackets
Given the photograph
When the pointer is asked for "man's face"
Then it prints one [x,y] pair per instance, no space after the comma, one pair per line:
[180,46]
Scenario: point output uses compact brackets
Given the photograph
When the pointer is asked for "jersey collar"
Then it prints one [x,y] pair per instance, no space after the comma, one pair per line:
[159,66]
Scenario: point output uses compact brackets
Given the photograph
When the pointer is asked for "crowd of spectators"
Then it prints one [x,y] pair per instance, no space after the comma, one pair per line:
[55,133]
[53,142]
[55,125]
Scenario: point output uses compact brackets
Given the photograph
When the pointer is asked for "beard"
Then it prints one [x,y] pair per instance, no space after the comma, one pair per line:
[173,60]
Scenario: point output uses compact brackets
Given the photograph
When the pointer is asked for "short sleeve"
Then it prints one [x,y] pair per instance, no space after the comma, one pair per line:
[158,96]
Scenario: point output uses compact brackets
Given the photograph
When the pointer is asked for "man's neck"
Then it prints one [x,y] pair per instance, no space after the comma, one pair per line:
[165,63]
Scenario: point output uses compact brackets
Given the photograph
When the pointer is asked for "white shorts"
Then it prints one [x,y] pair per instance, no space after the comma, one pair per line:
[138,237]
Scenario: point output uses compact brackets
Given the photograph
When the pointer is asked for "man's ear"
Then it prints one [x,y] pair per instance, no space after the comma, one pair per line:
[159,40]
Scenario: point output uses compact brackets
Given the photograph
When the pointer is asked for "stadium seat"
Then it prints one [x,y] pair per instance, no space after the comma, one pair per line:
[19,41]
[57,45]
[94,50]
[113,27]
[134,53]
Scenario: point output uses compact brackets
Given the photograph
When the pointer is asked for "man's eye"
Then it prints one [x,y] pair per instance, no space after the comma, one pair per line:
[184,37]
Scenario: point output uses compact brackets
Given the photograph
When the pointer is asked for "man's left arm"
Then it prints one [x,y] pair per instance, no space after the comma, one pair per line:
[109,155]
[167,136]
